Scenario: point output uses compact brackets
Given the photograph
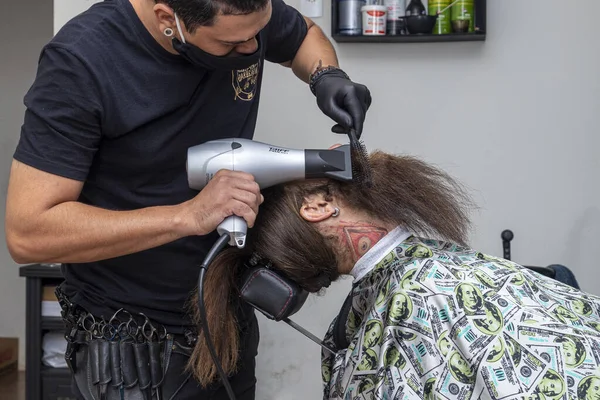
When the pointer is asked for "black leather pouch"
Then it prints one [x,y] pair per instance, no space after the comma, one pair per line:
[128,364]
[93,353]
[115,363]
[156,370]
[142,363]
[103,366]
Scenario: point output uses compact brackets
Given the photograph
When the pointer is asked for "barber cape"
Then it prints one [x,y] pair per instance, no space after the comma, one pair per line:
[434,320]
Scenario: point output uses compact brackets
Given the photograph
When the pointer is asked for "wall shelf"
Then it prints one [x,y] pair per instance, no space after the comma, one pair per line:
[477,36]
[53,324]
[457,37]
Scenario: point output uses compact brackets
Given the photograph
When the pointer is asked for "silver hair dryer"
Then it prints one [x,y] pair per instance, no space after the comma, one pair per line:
[270,165]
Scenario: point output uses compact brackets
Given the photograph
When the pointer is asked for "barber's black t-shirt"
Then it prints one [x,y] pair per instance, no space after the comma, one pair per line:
[110,107]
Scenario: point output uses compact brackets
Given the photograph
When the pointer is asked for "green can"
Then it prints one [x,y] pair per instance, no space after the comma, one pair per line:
[443,24]
[463,10]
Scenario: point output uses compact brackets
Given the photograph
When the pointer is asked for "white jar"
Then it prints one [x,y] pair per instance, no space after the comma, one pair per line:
[374,19]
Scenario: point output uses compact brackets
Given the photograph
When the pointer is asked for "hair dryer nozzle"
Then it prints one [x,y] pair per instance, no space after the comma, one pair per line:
[334,164]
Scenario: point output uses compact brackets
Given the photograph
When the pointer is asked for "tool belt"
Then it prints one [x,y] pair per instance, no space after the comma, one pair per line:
[127,351]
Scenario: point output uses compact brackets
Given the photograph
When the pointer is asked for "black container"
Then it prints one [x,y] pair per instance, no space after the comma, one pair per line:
[416,24]
[396,27]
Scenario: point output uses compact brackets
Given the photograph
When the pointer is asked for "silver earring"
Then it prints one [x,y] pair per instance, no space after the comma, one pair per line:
[336,212]
[168,32]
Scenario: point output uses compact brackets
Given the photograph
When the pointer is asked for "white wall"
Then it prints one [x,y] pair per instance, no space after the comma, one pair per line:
[23,34]
[513,118]
[64,10]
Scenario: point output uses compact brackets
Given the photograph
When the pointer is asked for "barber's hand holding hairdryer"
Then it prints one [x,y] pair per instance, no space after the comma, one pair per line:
[342,100]
[227,193]
[231,193]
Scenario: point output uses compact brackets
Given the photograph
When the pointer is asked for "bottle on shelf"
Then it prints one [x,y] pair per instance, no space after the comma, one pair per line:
[395,12]
[441,8]
[350,17]
[463,16]
[415,7]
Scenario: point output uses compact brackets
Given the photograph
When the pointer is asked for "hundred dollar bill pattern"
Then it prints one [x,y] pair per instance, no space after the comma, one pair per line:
[434,320]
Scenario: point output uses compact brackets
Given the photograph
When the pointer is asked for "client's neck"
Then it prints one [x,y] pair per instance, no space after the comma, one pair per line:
[356,237]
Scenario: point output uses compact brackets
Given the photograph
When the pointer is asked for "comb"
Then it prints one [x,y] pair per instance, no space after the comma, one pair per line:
[361,168]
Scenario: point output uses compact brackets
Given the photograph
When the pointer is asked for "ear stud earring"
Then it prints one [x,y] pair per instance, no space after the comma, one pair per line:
[168,32]
[336,212]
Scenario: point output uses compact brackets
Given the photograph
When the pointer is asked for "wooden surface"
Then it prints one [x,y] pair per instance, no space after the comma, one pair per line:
[12,386]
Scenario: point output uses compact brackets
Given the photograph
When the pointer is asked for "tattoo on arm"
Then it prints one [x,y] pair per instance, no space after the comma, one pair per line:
[318,67]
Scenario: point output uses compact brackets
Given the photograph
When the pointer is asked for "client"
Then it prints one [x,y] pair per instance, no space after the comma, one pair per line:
[427,317]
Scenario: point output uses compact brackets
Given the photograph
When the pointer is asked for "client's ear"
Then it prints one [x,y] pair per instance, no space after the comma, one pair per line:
[316,209]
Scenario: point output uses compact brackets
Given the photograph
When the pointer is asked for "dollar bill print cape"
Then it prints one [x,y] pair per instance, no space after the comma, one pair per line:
[434,320]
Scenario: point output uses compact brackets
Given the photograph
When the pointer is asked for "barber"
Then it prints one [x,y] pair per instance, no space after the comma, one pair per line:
[98,181]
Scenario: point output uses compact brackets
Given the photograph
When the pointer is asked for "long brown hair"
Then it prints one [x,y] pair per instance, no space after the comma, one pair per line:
[405,191]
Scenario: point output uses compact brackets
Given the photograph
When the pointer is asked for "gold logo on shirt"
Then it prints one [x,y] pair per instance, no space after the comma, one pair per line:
[244,82]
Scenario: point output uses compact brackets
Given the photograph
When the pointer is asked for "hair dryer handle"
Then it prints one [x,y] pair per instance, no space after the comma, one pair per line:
[236,227]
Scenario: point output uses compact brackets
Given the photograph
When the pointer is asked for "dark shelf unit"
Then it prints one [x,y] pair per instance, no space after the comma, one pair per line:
[458,37]
[42,382]
[478,35]
[52,324]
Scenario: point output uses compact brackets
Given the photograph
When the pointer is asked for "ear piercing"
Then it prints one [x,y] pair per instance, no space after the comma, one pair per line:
[336,212]
[168,32]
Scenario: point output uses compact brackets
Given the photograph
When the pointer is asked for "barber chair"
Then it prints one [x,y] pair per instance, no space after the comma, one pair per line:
[554,271]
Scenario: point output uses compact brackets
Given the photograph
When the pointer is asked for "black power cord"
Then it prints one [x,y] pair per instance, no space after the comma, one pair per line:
[215,249]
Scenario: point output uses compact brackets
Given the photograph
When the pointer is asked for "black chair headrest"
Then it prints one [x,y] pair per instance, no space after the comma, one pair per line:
[276,296]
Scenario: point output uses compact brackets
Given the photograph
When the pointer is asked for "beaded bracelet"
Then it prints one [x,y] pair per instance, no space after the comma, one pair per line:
[319,71]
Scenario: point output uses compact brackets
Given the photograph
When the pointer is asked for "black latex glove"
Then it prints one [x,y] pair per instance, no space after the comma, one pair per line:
[342,100]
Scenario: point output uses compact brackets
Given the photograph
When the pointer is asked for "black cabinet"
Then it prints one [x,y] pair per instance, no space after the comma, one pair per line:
[41,382]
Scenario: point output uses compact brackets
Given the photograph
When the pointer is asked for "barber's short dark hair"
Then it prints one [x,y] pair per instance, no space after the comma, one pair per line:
[195,13]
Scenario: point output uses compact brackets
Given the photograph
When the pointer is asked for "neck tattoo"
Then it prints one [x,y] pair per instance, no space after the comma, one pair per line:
[360,237]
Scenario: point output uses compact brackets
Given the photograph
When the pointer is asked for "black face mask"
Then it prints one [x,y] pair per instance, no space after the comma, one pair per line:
[202,59]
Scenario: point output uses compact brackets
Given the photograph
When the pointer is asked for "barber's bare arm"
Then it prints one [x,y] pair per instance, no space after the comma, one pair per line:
[344,101]
[315,50]
[45,223]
